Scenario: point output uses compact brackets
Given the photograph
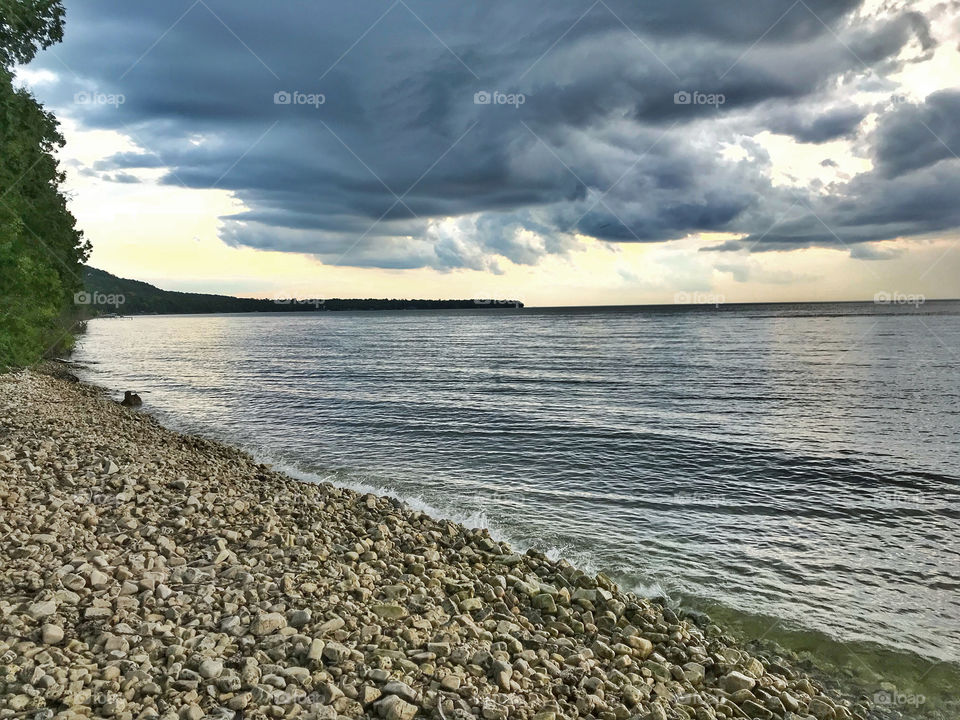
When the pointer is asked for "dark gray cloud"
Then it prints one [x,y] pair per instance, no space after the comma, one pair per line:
[829,125]
[872,208]
[917,136]
[352,131]
[869,252]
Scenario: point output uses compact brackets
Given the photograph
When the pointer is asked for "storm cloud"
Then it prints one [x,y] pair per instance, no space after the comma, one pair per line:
[424,133]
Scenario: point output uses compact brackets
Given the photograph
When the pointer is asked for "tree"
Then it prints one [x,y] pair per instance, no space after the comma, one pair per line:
[27,26]
[41,251]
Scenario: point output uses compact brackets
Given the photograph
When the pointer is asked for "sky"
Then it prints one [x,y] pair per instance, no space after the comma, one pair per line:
[552,151]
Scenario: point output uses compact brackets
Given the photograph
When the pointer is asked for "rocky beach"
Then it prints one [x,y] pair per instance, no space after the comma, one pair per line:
[149,574]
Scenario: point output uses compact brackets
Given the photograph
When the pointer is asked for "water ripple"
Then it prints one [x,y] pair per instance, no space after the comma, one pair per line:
[788,462]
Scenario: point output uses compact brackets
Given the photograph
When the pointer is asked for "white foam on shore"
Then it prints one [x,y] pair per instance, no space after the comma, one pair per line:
[475,520]
[479,520]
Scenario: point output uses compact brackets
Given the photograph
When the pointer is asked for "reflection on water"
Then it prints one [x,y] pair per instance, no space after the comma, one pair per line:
[793,463]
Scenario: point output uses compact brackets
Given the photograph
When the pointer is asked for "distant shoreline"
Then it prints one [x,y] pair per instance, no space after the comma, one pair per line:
[106,294]
[930,307]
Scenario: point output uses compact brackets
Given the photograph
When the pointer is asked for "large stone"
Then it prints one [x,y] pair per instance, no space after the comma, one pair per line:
[733,681]
[451,683]
[789,701]
[756,710]
[393,707]
[368,694]
[660,671]
[545,603]
[821,709]
[98,580]
[401,690]
[51,634]
[389,612]
[470,604]
[657,712]
[694,673]
[643,646]
[603,651]
[210,669]
[331,625]
[502,673]
[335,653]
[42,609]
[315,651]
[267,623]
[191,712]
[631,695]
[299,618]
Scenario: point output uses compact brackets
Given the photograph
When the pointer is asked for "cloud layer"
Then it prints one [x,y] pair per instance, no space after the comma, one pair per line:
[422,133]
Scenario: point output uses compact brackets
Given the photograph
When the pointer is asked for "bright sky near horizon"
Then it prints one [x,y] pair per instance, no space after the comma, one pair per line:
[559,153]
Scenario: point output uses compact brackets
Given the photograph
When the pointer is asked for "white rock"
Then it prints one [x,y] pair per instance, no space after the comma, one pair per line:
[42,609]
[733,681]
[210,669]
[51,634]
[401,690]
[392,707]
[98,580]
[267,623]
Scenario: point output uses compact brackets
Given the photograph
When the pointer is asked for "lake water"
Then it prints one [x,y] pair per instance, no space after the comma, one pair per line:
[790,469]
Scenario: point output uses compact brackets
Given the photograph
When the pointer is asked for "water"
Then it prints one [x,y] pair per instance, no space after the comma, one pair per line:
[792,469]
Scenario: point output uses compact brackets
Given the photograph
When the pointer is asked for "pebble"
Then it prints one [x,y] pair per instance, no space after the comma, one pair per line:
[210,669]
[734,681]
[51,634]
[191,712]
[401,690]
[820,709]
[202,584]
[299,618]
[657,712]
[267,623]
[335,652]
[451,682]
[393,707]
[42,609]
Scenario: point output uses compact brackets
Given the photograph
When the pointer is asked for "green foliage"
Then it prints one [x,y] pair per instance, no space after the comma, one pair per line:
[140,298]
[41,251]
[27,26]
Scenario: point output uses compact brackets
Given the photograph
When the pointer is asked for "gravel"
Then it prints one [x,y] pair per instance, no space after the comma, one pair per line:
[149,574]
